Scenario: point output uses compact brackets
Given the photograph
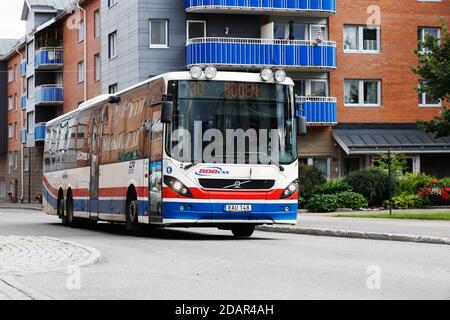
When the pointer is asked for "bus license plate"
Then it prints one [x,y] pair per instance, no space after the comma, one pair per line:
[238,208]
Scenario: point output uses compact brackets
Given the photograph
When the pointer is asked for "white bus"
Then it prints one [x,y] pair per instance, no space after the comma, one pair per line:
[152,154]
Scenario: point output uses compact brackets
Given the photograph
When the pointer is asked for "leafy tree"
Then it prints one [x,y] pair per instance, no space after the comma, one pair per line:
[434,69]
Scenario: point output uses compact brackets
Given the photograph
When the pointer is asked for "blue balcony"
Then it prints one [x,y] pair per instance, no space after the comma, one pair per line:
[23,135]
[23,68]
[319,8]
[39,132]
[48,59]
[257,53]
[318,111]
[49,94]
[23,102]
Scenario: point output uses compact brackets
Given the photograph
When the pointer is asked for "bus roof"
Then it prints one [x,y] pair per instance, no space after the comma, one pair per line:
[181,75]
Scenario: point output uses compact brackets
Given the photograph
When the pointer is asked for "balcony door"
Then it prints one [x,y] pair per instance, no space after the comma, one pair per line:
[311,87]
[195,29]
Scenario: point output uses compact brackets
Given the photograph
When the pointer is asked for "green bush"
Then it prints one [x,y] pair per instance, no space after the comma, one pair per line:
[351,200]
[322,203]
[411,183]
[309,178]
[405,201]
[332,187]
[372,183]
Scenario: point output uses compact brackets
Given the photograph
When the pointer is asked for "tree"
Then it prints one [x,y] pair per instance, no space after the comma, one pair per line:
[434,69]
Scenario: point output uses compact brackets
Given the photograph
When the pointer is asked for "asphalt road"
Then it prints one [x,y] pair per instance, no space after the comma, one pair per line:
[211,264]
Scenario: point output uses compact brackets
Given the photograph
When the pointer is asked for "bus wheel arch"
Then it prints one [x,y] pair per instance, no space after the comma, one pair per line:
[131,211]
[69,208]
[61,207]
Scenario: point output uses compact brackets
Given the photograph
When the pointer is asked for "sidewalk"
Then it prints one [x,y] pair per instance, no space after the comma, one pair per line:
[436,232]
[26,206]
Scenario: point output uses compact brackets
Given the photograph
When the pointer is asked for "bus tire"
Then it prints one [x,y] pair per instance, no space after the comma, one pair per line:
[132,220]
[243,231]
[62,211]
[71,220]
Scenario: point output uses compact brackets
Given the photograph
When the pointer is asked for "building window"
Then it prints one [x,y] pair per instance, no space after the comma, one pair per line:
[366,93]
[112,89]
[26,163]
[15,101]
[435,32]
[80,31]
[311,88]
[2,187]
[97,67]
[80,71]
[10,131]
[363,39]
[112,3]
[159,30]
[30,87]
[112,45]
[10,75]
[97,23]
[15,73]
[196,29]
[323,164]
[15,131]
[10,103]
[282,31]
[426,101]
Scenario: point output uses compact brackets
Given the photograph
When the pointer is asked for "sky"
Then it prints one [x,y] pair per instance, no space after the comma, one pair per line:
[10,24]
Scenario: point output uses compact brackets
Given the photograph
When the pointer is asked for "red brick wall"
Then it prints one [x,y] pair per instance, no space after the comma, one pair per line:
[399,24]
[15,115]
[74,53]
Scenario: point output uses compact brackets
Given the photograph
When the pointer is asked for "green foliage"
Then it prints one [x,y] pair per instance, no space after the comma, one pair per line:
[398,163]
[351,200]
[434,69]
[309,178]
[406,201]
[332,187]
[372,183]
[322,203]
[412,182]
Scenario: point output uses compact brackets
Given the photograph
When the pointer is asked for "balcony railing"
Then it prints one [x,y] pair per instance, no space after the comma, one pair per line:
[318,7]
[23,102]
[39,131]
[49,94]
[23,68]
[257,53]
[48,58]
[23,135]
[318,111]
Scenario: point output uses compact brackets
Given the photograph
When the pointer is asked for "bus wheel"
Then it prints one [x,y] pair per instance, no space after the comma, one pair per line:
[71,220]
[132,217]
[243,231]
[62,212]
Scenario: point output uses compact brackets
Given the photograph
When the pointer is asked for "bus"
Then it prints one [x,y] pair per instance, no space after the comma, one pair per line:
[198,148]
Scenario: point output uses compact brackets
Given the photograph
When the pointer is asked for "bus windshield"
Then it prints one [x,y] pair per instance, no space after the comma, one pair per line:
[237,122]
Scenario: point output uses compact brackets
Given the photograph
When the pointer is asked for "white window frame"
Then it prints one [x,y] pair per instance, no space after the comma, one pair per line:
[97,67]
[80,71]
[312,36]
[112,3]
[361,94]
[195,21]
[423,104]
[360,35]
[422,36]
[159,46]
[10,103]
[112,54]
[310,162]
[80,31]
[97,24]
[10,75]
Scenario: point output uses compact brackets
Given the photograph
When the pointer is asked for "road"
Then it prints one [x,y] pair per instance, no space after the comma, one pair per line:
[211,264]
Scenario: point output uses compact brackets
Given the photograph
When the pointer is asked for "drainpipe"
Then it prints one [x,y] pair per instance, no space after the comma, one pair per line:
[85,48]
[22,147]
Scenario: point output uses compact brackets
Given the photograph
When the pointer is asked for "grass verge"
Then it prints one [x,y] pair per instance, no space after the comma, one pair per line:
[411,216]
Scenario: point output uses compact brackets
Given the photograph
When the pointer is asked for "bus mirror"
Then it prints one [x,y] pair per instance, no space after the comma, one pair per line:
[167,112]
[114,99]
[301,126]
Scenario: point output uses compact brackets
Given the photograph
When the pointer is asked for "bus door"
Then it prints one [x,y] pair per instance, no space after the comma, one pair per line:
[155,165]
[94,150]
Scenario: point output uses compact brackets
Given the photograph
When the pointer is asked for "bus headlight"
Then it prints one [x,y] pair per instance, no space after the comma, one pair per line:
[177,186]
[196,72]
[290,190]
[210,72]
[280,75]
[266,74]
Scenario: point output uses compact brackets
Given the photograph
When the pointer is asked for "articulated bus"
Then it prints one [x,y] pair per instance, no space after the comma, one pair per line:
[199,148]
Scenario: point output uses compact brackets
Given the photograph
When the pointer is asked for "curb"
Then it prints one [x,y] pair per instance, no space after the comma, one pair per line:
[21,207]
[356,235]
[16,290]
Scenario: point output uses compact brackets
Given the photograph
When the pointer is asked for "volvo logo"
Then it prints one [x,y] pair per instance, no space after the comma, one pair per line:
[237,185]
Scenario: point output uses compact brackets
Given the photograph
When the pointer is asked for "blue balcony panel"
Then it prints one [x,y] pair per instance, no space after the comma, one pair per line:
[23,102]
[49,94]
[23,136]
[257,53]
[318,111]
[318,8]
[48,59]
[23,68]
[39,132]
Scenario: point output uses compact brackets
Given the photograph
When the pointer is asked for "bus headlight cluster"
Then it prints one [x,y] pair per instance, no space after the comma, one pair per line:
[268,74]
[290,190]
[177,186]
[196,72]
